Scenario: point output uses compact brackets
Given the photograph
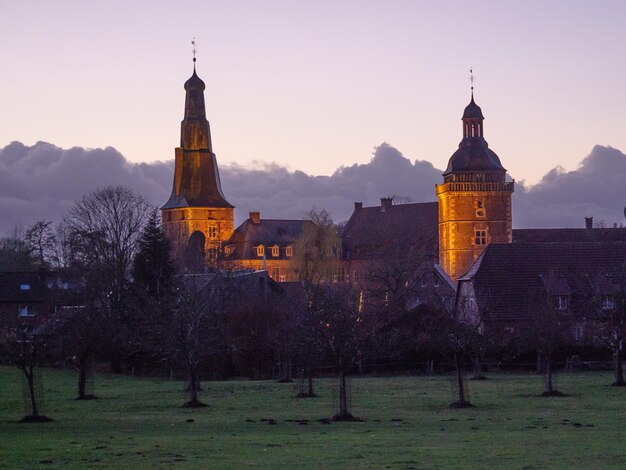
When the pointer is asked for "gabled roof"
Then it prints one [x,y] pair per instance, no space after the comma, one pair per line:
[267,232]
[369,228]
[508,278]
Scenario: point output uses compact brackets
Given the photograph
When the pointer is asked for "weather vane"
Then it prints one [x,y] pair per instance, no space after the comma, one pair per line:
[193,43]
[472,79]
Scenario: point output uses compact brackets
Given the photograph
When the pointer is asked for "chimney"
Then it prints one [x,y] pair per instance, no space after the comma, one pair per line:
[255,218]
[358,206]
[589,222]
[385,203]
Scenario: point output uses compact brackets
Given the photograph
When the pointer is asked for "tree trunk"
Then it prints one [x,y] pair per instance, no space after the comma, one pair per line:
[618,370]
[194,385]
[549,374]
[343,395]
[477,367]
[309,373]
[30,379]
[459,377]
[82,380]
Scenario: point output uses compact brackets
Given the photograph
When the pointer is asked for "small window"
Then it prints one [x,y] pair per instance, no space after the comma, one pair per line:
[229,250]
[560,302]
[289,251]
[355,276]
[479,204]
[276,273]
[260,250]
[608,303]
[26,311]
[275,251]
[212,232]
[480,237]
[24,286]
[480,213]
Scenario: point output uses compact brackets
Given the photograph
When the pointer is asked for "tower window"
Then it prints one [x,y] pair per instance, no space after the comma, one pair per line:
[480,237]
[212,232]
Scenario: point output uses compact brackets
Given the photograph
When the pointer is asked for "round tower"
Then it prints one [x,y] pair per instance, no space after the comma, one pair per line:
[474,199]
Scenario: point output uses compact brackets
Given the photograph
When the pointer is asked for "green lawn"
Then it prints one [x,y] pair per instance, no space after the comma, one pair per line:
[139,423]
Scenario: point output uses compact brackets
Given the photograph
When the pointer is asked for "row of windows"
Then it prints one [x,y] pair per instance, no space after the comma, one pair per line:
[274,251]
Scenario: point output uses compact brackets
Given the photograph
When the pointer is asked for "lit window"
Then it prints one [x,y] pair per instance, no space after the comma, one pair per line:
[212,232]
[608,303]
[260,250]
[25,287]
[560,302]
[480,237]
[229,250]
[276,273]
[289,251]
[25,311]
[275,251]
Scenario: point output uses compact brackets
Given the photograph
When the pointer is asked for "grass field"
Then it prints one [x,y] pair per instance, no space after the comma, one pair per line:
[139,423]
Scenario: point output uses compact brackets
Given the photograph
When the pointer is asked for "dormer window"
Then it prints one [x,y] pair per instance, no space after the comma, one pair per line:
[275,251]
[560,302]
[260,250]
[608,303]
[289,251]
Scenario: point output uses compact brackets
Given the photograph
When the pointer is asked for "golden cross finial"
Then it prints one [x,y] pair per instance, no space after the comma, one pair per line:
[193,43]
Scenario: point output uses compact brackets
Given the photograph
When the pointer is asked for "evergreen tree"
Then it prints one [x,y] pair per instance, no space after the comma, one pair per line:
[153,270]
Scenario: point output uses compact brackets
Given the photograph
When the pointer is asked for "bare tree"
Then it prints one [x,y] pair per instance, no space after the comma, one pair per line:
[607,316]
[338,315]
[42,242]
[23,347]
[102,231]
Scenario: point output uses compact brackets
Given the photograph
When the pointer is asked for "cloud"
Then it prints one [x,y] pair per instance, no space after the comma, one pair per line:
[43,181]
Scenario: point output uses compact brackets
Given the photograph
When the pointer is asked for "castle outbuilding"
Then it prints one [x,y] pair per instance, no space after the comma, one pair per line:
[197,218]
[474,199]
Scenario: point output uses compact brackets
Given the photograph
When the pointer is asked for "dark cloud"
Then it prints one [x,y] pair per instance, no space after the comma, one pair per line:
[43,180]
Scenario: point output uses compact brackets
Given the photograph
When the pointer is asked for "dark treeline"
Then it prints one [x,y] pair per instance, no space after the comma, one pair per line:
[115,300]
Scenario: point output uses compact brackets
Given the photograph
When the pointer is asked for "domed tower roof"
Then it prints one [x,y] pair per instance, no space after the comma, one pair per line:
[474,154]
[473,111]
[194,83]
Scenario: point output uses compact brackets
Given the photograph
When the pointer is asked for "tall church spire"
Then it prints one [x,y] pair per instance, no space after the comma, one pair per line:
[196,176]
[197,218]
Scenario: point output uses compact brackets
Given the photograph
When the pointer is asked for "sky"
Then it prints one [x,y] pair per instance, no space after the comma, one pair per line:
[316,87]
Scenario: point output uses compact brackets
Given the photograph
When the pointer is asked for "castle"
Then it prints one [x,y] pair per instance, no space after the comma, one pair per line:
[473,212]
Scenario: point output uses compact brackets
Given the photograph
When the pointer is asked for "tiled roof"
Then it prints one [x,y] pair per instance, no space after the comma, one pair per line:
[507,278]
[543,235]
[268,232]
[369,228]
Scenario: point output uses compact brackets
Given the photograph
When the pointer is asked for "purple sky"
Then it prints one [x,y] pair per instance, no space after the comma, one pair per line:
[316,85]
